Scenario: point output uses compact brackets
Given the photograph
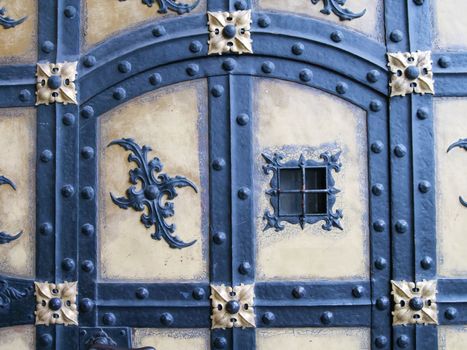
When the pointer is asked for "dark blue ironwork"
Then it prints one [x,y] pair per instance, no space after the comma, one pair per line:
[336,7]
[7,22]
[5,237]
[462,143]
[8,294]
[16,301]
[165,5]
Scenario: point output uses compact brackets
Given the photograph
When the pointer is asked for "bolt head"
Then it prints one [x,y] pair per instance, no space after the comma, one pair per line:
[54,82]
[232,307]
[229,31]
[55,304]
[416,303]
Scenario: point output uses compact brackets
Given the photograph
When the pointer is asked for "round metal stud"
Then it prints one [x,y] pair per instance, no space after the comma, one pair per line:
[167,319]
[424,186]
[220,343]
[379,225]
[87,193]
[376,105]
[264,21]
[244,268]
[337,36]
[401,226]
[268,318]
[67,191]
[358,291]
[444,61]
[268,67]
[381,341]
[326,317]
[232,307]
[243,119]
[396,36]
[219,238]
[158,31]
[341,88]
[418,2]
[70,12]
[89,61]
[142,293]
[306,75]
[124,67]
[46,156]
[377,147]
[400,151]
[229,64]
[46,229]
[229,31]
[119,93]
[416,303]
[217,91]
[450,313]
[45,340]
[377,189]
[403,341]
[47,46]
[155,79]
[109,319]
[381,263]
[412,72]
[382,303]
[240,5]
[198,293]
[87,112]
[55,304]
[244,193]
[87,230]
[195,46]
[87,266]
[86,305]
[423,113]
[298,48]
[54,82]
[298,292]
[218,164]
[24,95]
[373,76]
[192,69]
[87,152]
[426,263]
[68,119]
[68,264]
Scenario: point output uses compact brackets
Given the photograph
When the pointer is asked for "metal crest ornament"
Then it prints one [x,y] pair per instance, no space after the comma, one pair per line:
[153,190]
[7,22]
[462,143]
[5,237]
[336,7]
[233,307]
[56,303]
[275,165]
[229,32]
[8,294]
[412,72]
[415,303]
[165,5]
[55,83]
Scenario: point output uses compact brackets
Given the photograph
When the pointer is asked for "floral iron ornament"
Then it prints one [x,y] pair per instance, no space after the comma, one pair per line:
[56,303]
[153,190]
[233,307]
[415,303]
[165,5]
[5,237]
[7,22]
[462,143]
[336,7]
[8,294]
[55,83]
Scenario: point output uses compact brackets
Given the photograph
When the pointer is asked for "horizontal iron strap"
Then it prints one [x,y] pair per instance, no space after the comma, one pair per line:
[452,291]
[17,301]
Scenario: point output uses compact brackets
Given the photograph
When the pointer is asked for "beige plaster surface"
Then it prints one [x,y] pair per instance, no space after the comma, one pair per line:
[19,44]
[450,126]
[17,208]
[450,24]
[17,338]
[105,18]
[370,24]
[452,337]
[173,339]
[177,133]
[293,119]
[313,339]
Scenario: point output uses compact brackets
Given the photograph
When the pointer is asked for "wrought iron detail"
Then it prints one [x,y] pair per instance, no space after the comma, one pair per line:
[55,83]
[336,7]
[415,303]
[462,143]
[7,22]
[8,294]
[229,32]
[5,237]
[233,307]
[412,72]
[56,303]
[331,218]
[153,190]
[165,5]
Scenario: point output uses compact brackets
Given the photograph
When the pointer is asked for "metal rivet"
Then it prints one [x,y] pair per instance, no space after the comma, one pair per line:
[67,191]
[68,264]
[358,291]
[87,266]
[109,319]
[243,119]
[450,313]
[46,229]
[45,340]
[379,225]
[83,332]
[298,48]
[244,268]
[155,79]
[396,36]
[403,341]
[426,263]
[87,229]
[87,112]
[167,319]
[377,189]
[142,293]
[327,317]
[219,238]
[86,305]
[382,303]
[192,69]
[402,226]
[229,64]
[419,2]
[87,193]
[381,263]
[24,95]
[373,76]
[218,164]
[89,61]
[264,21]
[119,93]
[341,88]
[198,293]
[298,292]
[423,113]
[87,152]
[268,67]
[306,75]
[70,12]
[124,67]
[444,61]
[424,186]
[46,156]
[377,147]
[195,46]
[220,343]
[337,36]
[243,193]
[381,341]
[376,105]
[240,5]
[68,119]
[158,31]
[217,90]
[47,46]
[268,318]
[400,151]
[123,333]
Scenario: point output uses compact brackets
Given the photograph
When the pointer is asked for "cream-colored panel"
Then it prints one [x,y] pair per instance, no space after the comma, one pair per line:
[452,337]
[19,44]
[294,119]
[17,208]
[173,121]
[450,22]
[173,339]
[313,339]
[450,126]
[371,23]
[105,18]
[17,338]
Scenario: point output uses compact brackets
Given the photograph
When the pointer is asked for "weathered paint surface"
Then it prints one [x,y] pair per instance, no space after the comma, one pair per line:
[174,339]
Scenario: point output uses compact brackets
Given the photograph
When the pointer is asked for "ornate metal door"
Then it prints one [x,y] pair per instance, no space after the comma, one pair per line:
[233,174]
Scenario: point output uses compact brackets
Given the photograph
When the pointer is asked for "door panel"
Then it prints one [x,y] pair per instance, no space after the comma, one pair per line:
[19,337]
[196,339]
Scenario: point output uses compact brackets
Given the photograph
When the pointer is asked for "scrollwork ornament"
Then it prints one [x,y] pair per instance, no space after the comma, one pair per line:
[8,294]
[56,303]
[336,7]
[7,22]
[153,190]
[165,5]
[5,237]
[461,143]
